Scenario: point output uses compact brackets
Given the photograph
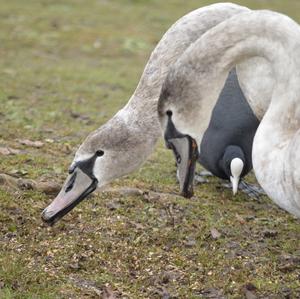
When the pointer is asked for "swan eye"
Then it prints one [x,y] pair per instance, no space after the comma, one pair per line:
[99,153]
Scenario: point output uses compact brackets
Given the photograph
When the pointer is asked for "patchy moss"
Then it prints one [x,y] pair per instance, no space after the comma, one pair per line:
[66,68]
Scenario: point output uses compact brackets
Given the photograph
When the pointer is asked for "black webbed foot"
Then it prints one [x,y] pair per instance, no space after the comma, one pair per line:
[253,191]
[202,177]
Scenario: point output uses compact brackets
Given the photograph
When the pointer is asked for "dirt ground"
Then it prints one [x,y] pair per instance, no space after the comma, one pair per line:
[66,67]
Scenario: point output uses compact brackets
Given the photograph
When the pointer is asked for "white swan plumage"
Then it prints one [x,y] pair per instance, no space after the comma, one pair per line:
[197,77]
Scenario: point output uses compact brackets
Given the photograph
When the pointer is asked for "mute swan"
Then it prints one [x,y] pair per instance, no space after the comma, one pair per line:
[122,144]
[197,77]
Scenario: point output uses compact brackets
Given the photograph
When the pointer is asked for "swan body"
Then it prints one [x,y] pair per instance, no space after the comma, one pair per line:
[227,142]
[228,138]
[195,81]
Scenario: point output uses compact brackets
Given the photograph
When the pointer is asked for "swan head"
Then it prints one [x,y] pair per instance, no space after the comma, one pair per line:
[179,130]
[233,165]
[108,153]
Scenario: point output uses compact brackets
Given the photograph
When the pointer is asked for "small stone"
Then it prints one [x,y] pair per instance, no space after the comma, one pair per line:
[113,205]
[190,242]
[215,234]
[75,266]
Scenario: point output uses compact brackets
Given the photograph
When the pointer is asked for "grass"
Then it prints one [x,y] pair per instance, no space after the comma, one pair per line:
[58,58]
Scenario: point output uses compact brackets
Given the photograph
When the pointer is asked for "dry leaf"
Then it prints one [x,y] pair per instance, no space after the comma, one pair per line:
[49,140]
[18,172]
[9,151]
[249,291]
[8,181]
[26,184]
[108,293]
[240,219]
[47,187]
[37,144]
[89,285]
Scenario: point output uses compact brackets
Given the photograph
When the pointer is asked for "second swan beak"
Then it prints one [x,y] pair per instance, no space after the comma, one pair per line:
[186,153]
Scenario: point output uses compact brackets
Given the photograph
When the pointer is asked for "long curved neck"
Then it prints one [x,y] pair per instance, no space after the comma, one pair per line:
[275,38]
[141,110]
[272,36]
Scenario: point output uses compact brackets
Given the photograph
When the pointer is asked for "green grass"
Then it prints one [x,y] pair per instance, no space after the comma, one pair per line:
[60,57]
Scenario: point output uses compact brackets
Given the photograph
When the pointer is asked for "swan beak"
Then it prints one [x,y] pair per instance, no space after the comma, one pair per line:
[186,153]
[235,184]
[236,169]
[77,187]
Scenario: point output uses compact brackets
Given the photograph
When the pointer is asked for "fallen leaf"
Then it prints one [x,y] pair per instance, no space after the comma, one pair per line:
[249,291]
[212,293]
[9,181]
[250,295]
[48,187]
[13,97]
[37,144]
[74,266]
[288,267]
[269,233]
[49,140]
[89,285]
[164,293]
[126,191]
[215,233]
[67,148]
[168,276]
[108,293]
[240,219]
[18,172]
[113,205]
[150,196]
[288,263]
[5,151]
[86,119]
